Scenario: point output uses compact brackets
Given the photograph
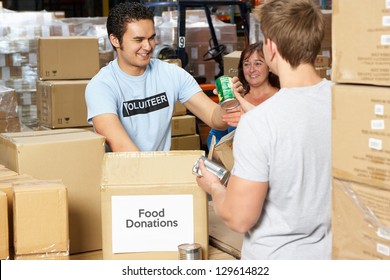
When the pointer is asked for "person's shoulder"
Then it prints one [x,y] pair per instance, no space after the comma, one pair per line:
[103,75]
[326,84]
[108,68]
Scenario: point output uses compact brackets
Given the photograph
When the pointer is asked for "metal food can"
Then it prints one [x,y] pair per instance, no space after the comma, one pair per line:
[226,97]
[221,172]
[189,251]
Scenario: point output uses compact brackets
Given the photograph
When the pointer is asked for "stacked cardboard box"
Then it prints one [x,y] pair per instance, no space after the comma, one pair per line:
[33,217]
[184,136]
[65,65]
[360,130]
[19,35]
[4,248]
[230,63]
[6,187]
[40,220]
[73,156]
[18,54]
[9,119]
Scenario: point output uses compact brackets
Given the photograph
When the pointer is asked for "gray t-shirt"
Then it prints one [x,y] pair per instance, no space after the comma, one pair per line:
[144,104]
[286,141]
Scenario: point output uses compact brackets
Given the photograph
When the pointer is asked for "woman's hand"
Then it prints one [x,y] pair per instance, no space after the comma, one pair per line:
[232,116]
[239,93]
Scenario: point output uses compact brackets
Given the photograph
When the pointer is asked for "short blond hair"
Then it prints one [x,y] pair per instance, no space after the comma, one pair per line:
[296,26]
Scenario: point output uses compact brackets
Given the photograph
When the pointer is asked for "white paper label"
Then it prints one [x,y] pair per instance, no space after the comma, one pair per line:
[383,233]
[377,124]
[383,249]
[151,223]
[375,144]
[379,109]
[385,40]
[386,21]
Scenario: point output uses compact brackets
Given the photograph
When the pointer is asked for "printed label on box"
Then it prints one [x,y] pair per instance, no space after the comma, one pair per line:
[151,223]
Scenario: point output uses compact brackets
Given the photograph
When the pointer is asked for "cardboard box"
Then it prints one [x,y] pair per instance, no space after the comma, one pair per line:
[362,56]
[324,72]
[186,142]
[360,137]
[230,63]
[6,187]
[67,57]
[4,245]
[8,103]
[61,104]
[5,172]
[10,125]
[45,256]
[322,61]
[179,109]
[327,40]
[151,203]
[223,150]
[72,155]
[183,125]
[360,221]
[40,217]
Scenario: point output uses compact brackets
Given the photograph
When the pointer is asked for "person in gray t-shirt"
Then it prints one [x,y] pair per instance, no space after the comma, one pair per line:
[279,193]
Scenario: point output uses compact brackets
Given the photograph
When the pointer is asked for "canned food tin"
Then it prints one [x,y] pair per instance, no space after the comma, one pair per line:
[215,168]
[226,97]
[190,251]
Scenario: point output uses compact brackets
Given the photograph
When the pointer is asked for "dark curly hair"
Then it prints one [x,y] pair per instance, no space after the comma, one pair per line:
[248,51]
[123,13]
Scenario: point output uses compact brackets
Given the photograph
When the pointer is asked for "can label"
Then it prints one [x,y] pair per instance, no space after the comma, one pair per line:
[226,97]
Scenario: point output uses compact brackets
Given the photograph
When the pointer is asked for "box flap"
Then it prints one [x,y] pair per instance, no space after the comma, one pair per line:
[147,168]
[49,136]
[224,150]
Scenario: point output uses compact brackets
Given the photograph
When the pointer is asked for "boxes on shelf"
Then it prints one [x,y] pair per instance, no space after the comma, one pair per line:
[362,56]
[151,203]
[61,103]
[360,138]
[326,44]
[68,57]
[183,125]
[324,72]
[186,142]
[73,156]
[40,214]
[8,103]
[179,109]
[360,221]
[230,63]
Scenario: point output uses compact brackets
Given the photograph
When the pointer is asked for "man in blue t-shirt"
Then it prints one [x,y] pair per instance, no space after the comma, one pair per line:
[131,100]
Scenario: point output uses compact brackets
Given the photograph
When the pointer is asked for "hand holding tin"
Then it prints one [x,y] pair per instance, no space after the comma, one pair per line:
[210,174]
